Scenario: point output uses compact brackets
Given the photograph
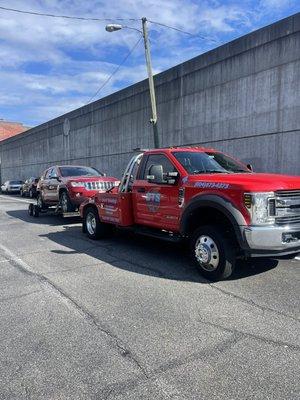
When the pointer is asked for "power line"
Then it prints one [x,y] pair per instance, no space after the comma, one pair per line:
[103,20]
[116,70]
[182,31]
[66,16]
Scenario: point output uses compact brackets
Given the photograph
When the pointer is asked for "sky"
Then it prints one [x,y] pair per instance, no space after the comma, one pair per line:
[49,66]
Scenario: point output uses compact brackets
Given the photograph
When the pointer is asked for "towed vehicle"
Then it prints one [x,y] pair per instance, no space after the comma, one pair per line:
[29,187]
[66,187]
[222,208]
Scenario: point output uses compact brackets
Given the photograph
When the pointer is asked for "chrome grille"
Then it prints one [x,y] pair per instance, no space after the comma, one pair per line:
[98,185]
[288,220]
[287,207]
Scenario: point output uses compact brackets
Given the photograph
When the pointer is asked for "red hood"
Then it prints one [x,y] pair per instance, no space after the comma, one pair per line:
[253,181]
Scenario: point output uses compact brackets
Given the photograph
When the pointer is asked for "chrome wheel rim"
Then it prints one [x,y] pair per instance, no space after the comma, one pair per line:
[207,253]
[91,223]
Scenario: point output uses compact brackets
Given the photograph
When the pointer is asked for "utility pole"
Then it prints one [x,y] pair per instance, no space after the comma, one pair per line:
[153,120]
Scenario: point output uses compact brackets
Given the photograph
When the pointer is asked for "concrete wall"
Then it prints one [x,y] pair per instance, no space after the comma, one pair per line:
[243,98]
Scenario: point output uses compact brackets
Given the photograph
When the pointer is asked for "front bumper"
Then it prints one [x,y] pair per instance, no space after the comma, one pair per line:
[78,196]
[272,240]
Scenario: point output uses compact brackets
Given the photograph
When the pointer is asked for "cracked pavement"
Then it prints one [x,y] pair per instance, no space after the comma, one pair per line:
[130,318]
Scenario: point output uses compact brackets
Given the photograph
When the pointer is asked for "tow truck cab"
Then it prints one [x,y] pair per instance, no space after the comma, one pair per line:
[201,195]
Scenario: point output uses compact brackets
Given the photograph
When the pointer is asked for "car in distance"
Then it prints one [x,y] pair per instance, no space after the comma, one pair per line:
[67,186]
[11,186]
[29,188]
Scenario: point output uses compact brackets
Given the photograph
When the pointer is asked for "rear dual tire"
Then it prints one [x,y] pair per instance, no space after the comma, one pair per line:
[213,253]
[93,227]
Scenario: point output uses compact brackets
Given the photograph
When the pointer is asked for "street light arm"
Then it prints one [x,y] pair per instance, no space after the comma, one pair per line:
[133,29]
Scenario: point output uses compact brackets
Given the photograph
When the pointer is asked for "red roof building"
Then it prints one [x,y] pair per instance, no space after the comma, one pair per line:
[9,129]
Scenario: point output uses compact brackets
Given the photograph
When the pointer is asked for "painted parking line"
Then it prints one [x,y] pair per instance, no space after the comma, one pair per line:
[297,258]
[15,199]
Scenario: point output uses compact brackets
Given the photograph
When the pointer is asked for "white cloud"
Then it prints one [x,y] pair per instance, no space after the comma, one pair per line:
[78,56]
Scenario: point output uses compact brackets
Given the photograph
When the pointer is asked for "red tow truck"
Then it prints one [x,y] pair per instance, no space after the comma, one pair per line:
[217,203]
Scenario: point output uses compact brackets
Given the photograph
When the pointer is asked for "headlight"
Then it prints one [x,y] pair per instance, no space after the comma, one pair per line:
[260,207]
[77,184]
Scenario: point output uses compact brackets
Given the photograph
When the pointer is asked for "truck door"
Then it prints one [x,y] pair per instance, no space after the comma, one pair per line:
[156,200]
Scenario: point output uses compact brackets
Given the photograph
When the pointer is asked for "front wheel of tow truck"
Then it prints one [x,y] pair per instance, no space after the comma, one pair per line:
[93,227]
[213,253]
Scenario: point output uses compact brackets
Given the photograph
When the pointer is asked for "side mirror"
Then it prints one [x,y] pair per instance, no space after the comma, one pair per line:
[155,174]
[249,166]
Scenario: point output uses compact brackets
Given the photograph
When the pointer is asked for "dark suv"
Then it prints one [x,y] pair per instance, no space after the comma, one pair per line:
[29,188]
[68,186]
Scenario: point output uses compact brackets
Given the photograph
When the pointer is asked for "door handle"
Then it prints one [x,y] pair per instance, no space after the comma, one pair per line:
[141,190]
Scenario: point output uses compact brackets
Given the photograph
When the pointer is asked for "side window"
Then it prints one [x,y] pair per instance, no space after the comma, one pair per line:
[133,175]
[48,173]
[53,173]
[158,159]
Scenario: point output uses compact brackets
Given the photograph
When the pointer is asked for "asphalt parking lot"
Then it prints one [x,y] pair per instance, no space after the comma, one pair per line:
[130,318]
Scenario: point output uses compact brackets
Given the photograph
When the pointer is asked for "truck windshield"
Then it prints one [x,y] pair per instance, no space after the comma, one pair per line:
[79,171]
[208,162]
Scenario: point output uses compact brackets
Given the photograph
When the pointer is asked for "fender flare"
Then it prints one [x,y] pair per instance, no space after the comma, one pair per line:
[87,203]
[219,203]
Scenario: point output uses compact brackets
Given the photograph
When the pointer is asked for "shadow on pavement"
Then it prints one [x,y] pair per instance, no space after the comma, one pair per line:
[48,218]
[148,256]
[136,253]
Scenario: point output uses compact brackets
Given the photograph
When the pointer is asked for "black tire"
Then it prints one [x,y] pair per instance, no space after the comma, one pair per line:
[30,209]
[93,227]
[36,211]
[65,202]
[40,203]
[217,252]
